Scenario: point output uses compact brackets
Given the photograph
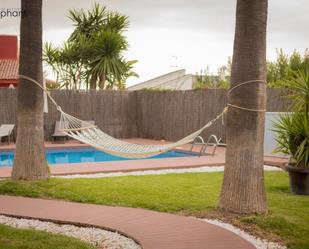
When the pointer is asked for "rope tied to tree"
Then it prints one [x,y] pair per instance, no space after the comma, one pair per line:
[240,85]
[45,89]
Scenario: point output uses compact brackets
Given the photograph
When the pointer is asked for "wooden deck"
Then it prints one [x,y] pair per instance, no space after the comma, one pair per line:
[152,230]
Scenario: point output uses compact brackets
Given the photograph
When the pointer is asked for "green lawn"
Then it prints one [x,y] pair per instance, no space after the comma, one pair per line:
[187,193]
[12,238]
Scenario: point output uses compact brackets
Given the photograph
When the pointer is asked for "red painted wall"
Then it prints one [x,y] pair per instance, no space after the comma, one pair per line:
[8,50]
[7,83]
[8,47]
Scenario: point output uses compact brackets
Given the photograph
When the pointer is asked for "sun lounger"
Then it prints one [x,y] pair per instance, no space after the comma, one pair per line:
[60,134]
[6,130]
[87,122]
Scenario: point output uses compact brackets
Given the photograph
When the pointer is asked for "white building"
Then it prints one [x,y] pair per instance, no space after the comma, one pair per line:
[176,80]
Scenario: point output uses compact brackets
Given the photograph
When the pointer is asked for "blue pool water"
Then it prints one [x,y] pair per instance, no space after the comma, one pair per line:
[81,156]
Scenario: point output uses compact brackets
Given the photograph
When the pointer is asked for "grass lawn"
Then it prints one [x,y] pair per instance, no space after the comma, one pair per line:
[12,238]
[198,193]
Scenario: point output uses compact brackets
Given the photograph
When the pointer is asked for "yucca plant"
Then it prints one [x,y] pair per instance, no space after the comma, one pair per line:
[93,56]
[292,129]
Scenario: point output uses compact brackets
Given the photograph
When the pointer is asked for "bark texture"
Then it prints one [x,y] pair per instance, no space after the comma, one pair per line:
[93,82]
[102,81]
[243,184]
[30,162]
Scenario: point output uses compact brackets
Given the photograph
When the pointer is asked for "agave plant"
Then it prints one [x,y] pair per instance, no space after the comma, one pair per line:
[292,129]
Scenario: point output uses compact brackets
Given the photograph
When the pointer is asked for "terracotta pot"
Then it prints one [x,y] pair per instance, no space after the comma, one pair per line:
[299,180]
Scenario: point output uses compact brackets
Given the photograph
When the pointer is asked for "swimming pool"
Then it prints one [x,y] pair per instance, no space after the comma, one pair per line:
[83,155]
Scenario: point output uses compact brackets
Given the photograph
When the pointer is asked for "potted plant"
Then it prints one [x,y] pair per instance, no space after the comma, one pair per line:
[292,133]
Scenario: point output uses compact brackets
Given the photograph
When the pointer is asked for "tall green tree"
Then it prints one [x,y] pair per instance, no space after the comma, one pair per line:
[29,161]
[243,184]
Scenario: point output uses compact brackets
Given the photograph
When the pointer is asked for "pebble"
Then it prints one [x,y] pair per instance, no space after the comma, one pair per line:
[257,242]
[100,238]
[159,172]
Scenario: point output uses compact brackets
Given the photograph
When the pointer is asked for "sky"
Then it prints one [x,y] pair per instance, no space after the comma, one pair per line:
[165,35]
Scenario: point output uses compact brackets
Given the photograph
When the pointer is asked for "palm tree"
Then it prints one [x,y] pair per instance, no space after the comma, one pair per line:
[98,33]
[30,162]
[103,53]
[66,64]
[243,184]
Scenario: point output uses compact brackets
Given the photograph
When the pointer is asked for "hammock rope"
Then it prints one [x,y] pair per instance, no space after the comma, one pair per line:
[88,133]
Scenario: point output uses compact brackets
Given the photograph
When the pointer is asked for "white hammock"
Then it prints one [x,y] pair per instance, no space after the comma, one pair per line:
[90,134]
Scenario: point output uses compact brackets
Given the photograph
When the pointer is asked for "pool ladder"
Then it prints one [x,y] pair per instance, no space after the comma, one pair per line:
[211,141]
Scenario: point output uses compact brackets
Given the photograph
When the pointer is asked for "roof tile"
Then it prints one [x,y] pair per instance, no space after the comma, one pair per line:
[8,69]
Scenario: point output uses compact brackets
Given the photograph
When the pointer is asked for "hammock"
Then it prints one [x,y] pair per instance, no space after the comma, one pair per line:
[90,134]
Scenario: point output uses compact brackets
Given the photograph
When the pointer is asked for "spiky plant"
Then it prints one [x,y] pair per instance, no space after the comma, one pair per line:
[292,129]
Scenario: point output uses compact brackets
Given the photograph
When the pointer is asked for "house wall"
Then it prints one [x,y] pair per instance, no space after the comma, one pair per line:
[8,83]
[172,80]
[8,53]
[8,47]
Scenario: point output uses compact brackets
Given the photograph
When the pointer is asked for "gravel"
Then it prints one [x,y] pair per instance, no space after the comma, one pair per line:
[98,237]
[159,172]
[257,242]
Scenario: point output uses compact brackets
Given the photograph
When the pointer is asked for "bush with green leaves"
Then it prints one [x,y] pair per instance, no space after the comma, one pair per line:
[283,68]
[292,129]
[205,80]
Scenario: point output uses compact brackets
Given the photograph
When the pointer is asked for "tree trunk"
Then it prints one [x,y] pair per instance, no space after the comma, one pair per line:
[243,184]
[93,82]
[30,162]
[102,82]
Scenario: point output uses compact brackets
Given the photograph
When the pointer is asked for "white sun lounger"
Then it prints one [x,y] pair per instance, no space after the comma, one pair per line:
[6,130]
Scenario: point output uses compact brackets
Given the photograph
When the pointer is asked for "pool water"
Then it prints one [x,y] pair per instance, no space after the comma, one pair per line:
[82,156]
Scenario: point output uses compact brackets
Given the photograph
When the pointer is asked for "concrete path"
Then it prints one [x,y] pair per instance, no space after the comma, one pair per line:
[152,230]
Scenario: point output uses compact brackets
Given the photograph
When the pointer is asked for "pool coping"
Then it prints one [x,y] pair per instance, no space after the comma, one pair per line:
[127,166]
[135,165]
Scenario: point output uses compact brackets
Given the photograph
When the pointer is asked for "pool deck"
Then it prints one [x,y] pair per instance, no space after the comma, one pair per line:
[134,165]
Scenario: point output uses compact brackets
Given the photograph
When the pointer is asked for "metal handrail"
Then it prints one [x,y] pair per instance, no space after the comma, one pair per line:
[215,144]
[196,143]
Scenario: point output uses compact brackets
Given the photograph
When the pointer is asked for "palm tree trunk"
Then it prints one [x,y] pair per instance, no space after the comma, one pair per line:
[93,82]
[30,162]
[102,82]
[243,184]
